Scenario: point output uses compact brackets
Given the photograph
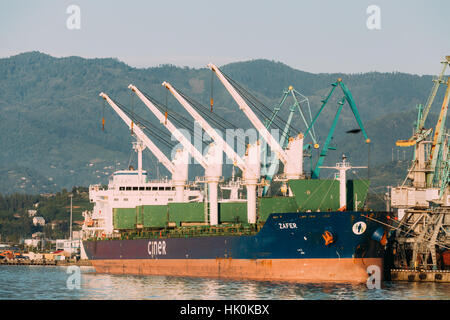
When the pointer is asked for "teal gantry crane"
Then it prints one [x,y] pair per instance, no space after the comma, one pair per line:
[298,99]
[326,146]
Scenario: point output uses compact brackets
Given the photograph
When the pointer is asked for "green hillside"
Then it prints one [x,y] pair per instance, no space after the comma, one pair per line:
[50,124]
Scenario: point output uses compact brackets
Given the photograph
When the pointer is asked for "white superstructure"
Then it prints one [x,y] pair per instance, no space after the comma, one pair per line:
[127,190]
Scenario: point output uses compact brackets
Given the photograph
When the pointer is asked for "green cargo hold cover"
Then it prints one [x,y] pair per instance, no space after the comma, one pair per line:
[124,218]
[152,216]
[233,212]
[186,212]
[270,205]
[323,195]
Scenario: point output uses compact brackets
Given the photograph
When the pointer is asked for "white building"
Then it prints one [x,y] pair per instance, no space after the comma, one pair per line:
[35,243]
[38,221]
[32,213]
[67,246]
[37,235]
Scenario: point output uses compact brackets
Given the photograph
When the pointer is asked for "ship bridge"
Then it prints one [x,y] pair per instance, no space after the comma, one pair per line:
[127,177]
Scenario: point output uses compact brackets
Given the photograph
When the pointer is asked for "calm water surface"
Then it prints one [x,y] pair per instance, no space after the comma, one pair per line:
[50,283]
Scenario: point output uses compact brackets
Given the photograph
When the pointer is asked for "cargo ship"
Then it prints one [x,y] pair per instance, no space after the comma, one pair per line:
[314,231]
[287,245]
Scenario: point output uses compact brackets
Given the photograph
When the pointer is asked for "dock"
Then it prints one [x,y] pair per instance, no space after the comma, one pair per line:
[420,275]
[44,262]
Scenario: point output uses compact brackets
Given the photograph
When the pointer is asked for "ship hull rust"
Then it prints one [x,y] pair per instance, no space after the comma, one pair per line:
[290,270]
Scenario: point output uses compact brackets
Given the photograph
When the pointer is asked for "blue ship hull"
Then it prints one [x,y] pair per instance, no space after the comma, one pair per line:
[294,244]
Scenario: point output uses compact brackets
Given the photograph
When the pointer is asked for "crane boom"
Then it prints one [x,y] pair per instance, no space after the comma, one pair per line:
[237,160]
[420,133]
[250,167]
[352,104]
[212,163]
[169,125]
[274,145]
[434,90]
[437,139]
[141,135]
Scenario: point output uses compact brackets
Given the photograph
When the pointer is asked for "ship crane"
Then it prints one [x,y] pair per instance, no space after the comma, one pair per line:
[292,156]
[212,162]
[250,167]
[326,146]
[285,135]
[178,168]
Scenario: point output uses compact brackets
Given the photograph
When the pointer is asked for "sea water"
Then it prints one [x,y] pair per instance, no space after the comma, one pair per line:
[83,283]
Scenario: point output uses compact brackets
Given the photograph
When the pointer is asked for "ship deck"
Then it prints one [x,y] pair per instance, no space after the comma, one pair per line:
[187,231]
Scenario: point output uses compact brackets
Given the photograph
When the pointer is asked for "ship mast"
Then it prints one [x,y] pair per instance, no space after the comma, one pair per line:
[342,167]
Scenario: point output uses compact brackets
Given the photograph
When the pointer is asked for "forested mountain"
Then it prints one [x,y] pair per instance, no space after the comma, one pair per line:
[51,132]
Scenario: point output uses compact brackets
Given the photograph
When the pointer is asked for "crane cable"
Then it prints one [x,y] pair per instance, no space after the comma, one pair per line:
[165,113]
[278,122]
[211,97]
[178,119]
[216,120]
[156,133]
[132,111]
[103,115]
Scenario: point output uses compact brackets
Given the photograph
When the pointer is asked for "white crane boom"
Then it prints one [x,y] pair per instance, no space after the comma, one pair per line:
[273,143]
[212,162]
[141,135]
[237,160]
[169,125]
[251,166]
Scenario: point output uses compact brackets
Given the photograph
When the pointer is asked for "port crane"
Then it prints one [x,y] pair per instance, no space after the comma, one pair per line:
[326,146]
[423,207]
[292,156]
[178,168]
[438,135]
[273,168]
[212,162]
[424,169]
[250,165]
[421,133]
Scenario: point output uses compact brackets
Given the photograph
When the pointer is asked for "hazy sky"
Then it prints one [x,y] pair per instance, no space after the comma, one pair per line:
[315,36]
